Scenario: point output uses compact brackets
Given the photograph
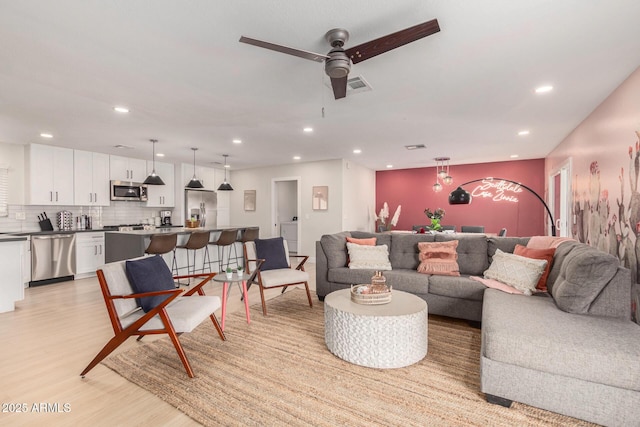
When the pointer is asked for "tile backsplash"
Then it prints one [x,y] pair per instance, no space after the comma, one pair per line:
[117,213]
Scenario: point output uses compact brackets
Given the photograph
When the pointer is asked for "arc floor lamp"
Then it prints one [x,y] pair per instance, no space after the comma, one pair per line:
[459,196]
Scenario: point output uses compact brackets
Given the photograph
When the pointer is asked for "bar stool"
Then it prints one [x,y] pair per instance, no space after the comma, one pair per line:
[227,237]
[163,244]
[249,234]
[197,240]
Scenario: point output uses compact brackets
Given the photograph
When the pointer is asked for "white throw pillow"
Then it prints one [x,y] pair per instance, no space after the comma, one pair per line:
[520,272]
[368,257]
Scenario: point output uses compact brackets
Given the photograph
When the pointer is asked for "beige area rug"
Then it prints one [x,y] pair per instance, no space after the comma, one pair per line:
[278,371]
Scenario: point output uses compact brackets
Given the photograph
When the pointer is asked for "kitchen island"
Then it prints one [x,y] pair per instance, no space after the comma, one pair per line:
[121,245]
[11,264]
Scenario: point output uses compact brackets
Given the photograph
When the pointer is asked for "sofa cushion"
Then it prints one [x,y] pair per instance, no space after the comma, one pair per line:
[368,257]
[545,254]
[584,274]
[520,272]
[404,249]
[558,260]
[456,287]
[439,258]
[597,349]
[335,248]
[505,244]
[472,252]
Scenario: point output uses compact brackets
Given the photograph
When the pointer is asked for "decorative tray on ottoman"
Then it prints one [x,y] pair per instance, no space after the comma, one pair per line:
[370,294]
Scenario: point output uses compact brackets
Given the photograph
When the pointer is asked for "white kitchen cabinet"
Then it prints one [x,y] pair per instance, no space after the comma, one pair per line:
[91,178]
[49,175]
[11,286]
[89,253]
[289,232]
[127,169]
[161,196]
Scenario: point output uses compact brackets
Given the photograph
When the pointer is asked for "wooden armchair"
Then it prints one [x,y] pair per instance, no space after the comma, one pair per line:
[179,313]
[276,278]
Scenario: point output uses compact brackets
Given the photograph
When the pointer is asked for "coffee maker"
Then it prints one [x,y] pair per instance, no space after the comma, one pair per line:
[165,217]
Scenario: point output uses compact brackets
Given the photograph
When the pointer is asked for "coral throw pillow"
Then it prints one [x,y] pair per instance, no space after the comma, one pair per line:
[546,254]
[439,258]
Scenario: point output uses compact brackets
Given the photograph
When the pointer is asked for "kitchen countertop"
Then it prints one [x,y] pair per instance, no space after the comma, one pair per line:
[11,238]
[182,230]
[93,230]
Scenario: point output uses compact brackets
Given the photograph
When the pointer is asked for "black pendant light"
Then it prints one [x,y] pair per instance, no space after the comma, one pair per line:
[194,183]
[225,186]
[154,179]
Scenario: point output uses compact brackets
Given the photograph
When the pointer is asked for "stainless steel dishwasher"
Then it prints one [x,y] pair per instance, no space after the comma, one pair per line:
[53,258]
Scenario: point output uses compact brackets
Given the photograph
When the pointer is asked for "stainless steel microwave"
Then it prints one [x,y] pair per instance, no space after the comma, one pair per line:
[131,191]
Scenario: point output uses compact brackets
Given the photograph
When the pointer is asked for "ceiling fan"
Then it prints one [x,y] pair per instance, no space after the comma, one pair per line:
[337,63]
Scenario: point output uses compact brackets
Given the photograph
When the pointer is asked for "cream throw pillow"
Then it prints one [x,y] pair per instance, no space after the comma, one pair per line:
[368,257]
[520,272]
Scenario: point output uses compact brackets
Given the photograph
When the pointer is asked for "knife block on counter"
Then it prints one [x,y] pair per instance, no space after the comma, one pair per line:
[45,225]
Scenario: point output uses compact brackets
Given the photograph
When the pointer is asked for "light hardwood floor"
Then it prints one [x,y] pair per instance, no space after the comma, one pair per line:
[50,338]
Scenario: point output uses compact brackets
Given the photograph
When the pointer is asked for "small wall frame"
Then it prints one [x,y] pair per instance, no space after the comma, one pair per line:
[320,198]
[249,200]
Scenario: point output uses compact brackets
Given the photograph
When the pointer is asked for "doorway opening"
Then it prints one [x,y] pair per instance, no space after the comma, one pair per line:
[560,198]
[286,211]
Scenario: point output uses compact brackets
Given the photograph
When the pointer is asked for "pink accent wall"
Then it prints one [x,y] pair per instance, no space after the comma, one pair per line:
[412,188]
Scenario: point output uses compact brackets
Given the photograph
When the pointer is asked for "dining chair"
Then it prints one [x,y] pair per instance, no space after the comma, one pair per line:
[502,232]
[472,229]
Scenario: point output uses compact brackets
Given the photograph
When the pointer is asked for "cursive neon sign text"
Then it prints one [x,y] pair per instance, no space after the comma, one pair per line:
[498,191]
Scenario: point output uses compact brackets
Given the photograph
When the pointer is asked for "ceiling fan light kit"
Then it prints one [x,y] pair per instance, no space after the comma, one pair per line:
[153,179]
[337,63]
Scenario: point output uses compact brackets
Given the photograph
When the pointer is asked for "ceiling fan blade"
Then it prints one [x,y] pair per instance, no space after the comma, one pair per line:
[284,49]
[339,86]
[391,41]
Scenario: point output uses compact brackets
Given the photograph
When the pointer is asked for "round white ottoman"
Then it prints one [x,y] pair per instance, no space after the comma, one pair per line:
[390,335]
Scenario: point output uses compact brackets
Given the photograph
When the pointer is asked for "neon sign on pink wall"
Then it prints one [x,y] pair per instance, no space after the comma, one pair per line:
[498,191]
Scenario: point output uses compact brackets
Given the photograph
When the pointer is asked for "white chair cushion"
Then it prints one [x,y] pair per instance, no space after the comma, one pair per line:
[283,276]
[185,313]
[115,274]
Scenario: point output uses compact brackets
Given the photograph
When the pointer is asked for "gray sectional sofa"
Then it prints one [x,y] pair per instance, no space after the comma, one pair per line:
[573,350]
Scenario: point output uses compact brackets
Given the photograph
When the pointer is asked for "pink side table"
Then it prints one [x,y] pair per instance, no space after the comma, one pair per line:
[222,278]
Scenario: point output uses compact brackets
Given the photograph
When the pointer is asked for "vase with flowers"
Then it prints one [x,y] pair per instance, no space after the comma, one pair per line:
[434,217]
[381,218]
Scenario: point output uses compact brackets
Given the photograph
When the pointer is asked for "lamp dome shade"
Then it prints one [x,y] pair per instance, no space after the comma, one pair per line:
[153,179]
[459,197]
[225,186]
[195,183]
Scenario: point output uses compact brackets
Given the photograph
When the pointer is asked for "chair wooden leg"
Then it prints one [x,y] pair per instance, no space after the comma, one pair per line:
[306,286]
[106,350]
[177,345]
[214,319]
[264,304]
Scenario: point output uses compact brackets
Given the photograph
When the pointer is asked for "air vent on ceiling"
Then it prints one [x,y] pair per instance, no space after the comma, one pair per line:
[123,146]
[415,146]
[354,85]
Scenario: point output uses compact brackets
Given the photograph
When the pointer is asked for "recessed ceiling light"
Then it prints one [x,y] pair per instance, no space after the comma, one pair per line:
[307,130]
[357,151]
[237,141]
[227,166]
[544,89]
[121,109]
[46,135]
[514,156]
[523,132]
[159,154]
[389,166]
[296,157]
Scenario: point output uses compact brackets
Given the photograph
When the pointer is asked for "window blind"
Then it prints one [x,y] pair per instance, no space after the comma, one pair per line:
[4,191]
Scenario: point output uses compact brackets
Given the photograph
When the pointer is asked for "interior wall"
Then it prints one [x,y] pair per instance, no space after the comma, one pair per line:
[605,154]
[313,223]
[358,198]
[412,189]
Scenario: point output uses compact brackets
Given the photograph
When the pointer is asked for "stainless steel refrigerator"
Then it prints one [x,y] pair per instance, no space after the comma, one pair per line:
[201,205]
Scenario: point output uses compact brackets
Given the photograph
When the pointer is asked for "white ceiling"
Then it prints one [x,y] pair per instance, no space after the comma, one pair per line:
[464,92]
